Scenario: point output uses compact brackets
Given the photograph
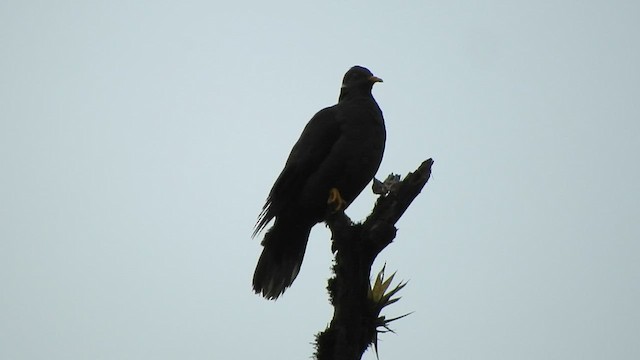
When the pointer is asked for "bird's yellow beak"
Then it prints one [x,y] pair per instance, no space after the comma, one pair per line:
[375,79]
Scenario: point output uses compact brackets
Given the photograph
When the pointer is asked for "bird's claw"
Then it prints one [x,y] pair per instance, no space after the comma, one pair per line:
[336,200]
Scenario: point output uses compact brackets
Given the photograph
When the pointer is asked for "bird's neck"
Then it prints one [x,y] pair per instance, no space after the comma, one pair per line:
[351,93]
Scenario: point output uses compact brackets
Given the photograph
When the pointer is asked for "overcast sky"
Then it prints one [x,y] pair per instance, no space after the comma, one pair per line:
[139,139]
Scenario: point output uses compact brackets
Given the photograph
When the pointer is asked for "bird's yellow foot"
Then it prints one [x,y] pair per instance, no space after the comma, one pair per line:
[336,200]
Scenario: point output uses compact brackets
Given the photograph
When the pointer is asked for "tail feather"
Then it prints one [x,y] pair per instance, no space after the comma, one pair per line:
[281,258]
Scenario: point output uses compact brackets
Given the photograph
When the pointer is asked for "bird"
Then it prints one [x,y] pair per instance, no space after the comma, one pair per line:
[336,156]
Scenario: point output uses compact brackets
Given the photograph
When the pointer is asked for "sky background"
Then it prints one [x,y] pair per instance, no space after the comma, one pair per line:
[139,139]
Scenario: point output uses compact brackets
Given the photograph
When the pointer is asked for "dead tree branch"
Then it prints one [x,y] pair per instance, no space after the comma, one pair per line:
[356,319]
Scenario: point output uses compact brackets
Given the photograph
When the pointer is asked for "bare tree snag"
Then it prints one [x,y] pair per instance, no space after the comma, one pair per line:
[356,320]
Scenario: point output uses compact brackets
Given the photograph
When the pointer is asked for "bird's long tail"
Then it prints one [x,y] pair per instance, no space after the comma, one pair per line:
[284,246]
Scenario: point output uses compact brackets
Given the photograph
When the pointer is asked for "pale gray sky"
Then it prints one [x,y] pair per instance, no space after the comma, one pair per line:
[139,140]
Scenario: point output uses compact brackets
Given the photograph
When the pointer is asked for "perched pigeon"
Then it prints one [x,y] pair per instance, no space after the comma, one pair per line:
[336,156]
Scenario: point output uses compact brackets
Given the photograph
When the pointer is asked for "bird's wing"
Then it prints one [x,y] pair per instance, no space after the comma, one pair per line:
[311,149]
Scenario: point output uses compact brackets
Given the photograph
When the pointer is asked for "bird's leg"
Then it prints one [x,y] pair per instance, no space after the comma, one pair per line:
[336,200]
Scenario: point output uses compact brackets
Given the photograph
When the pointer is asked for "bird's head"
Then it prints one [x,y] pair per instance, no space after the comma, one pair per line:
[358,80]
[359,76]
